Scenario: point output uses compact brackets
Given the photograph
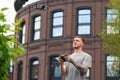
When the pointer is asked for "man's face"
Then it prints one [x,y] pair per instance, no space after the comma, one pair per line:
[77,43]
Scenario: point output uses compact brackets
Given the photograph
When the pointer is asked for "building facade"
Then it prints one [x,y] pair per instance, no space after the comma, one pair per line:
[48,28]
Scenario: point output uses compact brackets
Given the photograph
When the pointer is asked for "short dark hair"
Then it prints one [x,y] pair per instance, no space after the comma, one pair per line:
[77,36]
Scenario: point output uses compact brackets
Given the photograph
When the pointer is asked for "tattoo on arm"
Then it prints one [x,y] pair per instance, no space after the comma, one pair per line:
[77,65]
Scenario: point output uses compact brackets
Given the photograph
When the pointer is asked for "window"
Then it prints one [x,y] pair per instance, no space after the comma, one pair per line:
[36,28]
[54,73]
[84,21]
[111,17]
[113,68]
[11,69]
[20,69]
[22,33]
[34,69]
[88,74]
[57,24]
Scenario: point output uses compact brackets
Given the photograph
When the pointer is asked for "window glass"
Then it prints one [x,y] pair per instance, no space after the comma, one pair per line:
[36,62]
[22,33]
[34,69]
[84,11]
[113,68]
[20,69]
[84,29]
[54,73]
[11,66]
[36,27]
[88,74]
[111,17]
[36,35]
[57,25]
[58,14]
[57,31]
[57,21]
[84,21]
[11,72]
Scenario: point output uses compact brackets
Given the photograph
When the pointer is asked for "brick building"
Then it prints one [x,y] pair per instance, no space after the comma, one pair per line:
[48,27]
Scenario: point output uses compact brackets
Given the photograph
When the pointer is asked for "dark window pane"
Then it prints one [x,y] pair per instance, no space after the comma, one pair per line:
[20,68]
[54,73]
[22,33]
[34,69]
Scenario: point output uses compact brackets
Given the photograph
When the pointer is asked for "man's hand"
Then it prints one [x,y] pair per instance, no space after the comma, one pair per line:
[62,66]
[60,61]
[68,58]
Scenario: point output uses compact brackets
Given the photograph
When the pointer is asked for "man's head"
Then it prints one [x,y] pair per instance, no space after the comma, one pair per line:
[78,42]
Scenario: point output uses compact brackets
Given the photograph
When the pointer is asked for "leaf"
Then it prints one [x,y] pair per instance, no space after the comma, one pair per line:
[4,9]
[2,17]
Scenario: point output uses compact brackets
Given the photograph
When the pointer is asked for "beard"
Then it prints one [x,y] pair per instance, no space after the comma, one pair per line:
[76,47]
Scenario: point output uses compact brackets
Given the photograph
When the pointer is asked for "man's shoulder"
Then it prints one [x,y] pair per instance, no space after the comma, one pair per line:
[86,54]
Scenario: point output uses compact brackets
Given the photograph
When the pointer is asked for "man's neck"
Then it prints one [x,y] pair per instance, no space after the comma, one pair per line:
[77,51]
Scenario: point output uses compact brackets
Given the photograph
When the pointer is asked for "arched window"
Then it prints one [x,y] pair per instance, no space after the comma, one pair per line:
[34,69]
[36,28]
[57,24]
[22,33]
[20,70]
[84,21]
[54,70]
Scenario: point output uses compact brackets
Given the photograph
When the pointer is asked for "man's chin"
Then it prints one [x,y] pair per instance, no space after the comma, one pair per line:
[75,47]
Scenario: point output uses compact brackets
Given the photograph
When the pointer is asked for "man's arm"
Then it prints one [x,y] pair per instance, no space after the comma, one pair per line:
[79,66]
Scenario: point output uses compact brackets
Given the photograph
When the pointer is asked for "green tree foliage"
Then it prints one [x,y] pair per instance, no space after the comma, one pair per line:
[111,40]
[111,34]
[8,52]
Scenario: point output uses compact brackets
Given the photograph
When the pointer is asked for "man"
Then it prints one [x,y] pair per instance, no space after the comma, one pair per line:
[76,65]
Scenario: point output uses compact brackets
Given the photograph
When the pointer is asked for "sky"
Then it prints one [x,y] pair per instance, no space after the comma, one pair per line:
[10,13]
